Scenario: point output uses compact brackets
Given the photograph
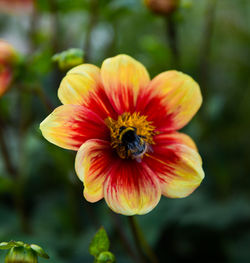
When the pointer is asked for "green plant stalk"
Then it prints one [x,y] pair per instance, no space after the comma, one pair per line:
[123,238]
[5,154]
[91,25]
[145,251]
[206,43]
[43,98]
[172,37]
[15,175]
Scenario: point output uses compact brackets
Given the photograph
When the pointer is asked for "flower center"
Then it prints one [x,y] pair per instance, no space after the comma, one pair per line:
[131,135]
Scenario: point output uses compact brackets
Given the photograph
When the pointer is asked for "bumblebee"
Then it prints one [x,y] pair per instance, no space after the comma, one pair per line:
[133,143]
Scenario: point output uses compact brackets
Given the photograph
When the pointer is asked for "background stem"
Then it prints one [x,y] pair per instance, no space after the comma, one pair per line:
[123,238]
[92,22]
[5,154]
[171,33]
[206,43]
[145,251]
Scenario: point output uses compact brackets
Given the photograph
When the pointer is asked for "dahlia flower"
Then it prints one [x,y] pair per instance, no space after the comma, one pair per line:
[8,57]
[124,129]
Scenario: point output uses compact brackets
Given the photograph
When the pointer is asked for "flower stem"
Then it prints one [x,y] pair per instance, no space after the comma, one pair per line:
[171,33]
[5,154]
[206,42]
[14,174]
[44,98]
[92,22]
[124,240]
[145,251]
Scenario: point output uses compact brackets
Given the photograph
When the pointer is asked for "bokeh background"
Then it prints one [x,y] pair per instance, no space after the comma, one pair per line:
[40,196]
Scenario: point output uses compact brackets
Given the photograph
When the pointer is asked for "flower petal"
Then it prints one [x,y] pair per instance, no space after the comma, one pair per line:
[5,80]
[123,77]
[69,126]
[175,95]
[131,188]
[177,163]
[92,165]
[76,85]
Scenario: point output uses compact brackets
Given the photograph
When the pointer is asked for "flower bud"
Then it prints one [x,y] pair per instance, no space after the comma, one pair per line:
[16,6]
[106,257]
[20,252]
[21,255]
[69,58]
[162,7]
[8,55]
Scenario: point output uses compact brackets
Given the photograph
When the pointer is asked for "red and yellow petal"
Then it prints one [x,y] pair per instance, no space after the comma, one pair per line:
[123,77]
[8,55]
[5,80]
[177,163]
[92,165]
[174,95]
[69,126]
[131,188]
[76,86]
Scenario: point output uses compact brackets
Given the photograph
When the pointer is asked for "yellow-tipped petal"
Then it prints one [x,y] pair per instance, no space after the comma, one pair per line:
[78,83]
[69,126]
[5,80]
[188,174]
[179,95]
[177,163]
[131,188]
[92,166]
[123,77]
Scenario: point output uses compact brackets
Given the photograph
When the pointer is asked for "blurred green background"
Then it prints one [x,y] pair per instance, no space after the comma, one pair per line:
[207,39]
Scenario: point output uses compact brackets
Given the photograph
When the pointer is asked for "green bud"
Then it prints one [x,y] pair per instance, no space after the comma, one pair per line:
[20,252]
[99,243]
[21,255]
[69,58]
[105,257]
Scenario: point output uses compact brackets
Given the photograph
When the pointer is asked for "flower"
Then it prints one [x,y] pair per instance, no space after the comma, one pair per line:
[16,6]
[124,127]
[8,58]
[162,7]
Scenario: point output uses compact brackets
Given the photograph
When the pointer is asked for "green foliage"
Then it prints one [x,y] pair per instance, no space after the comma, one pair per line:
[40,252]
[69,58]
[8,245]
[99,247]
[105,257]
[22,253]
[99,243]
[61,5]
[48,195]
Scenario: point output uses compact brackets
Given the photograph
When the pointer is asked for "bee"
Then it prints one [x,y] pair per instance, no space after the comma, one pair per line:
[133,143]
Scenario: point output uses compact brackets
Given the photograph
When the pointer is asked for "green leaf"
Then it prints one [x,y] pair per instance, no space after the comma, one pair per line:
[99,243]
[8,245]
[40,252]
[5,245]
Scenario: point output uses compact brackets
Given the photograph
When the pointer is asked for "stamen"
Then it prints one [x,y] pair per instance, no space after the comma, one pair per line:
[131,135]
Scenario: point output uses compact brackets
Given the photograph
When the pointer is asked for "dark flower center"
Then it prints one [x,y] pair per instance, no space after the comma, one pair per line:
[131,134]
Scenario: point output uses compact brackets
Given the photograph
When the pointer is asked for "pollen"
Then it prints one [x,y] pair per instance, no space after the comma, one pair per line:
[131,135]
